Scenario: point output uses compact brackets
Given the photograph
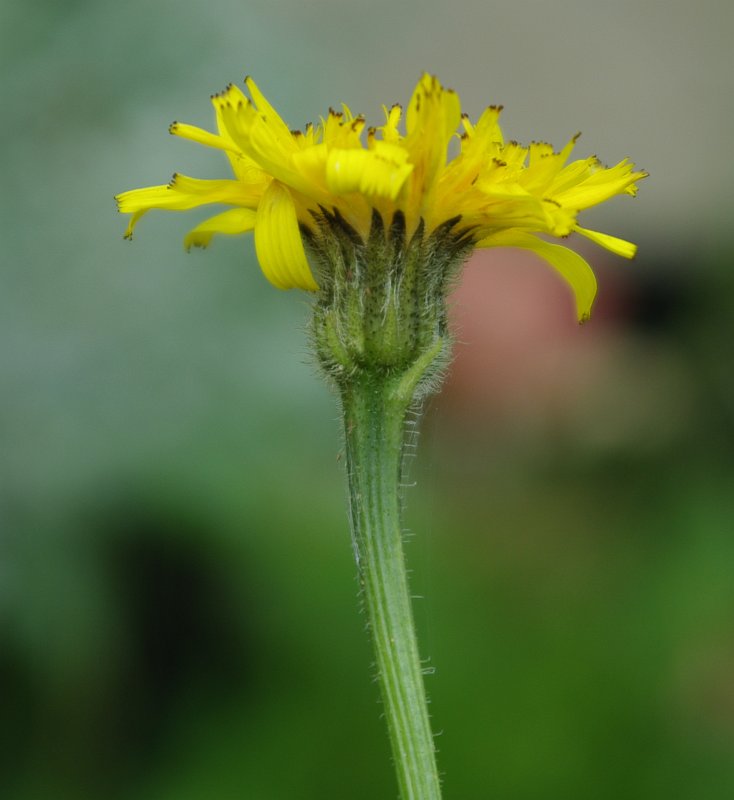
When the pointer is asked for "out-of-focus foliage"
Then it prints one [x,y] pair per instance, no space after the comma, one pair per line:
[178,610]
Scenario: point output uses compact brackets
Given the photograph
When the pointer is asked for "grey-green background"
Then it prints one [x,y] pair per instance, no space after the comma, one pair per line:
[178,609]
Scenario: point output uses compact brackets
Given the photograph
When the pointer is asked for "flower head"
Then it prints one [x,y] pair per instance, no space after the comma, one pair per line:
[287,184]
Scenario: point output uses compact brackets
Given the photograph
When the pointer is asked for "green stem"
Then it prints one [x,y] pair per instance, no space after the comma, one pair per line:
[374,418]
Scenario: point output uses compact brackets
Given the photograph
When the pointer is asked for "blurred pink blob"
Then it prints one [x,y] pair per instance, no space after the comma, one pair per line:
[519,348]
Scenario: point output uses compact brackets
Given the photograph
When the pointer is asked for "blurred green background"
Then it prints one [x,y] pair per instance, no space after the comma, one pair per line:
[178,607]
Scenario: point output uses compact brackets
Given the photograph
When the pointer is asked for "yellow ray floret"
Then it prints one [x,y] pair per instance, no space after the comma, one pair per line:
[502,193]
[278,241]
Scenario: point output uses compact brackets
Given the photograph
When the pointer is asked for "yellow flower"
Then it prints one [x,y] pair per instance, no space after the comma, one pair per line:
[498,193]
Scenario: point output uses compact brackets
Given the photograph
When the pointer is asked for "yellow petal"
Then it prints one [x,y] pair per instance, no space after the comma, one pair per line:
[600,186]
[488,126]
[379,172]
[244,168]
[198,192]
[479,144]
[144,199]
[310,162]
[268,113]
[575,271]
[273,154]
[201,136]
[133,222]
[433,115]
[184,193]
[432,109]
[263,142]
[138,202]
[389,130]
[226,108]
[543,167]
[572,175]
[236,220]
[619,246]
[278,242]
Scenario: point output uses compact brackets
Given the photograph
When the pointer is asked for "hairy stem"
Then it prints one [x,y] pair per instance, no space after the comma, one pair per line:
[374,416]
